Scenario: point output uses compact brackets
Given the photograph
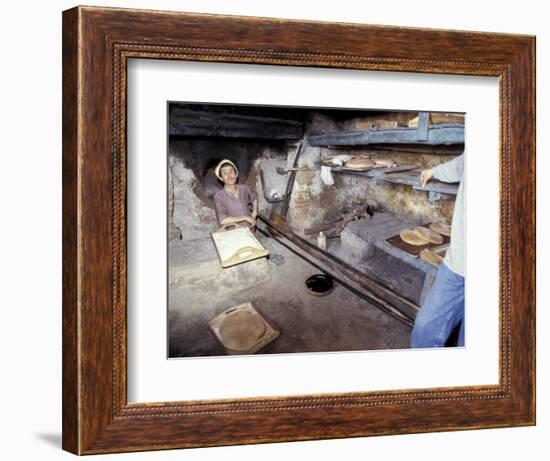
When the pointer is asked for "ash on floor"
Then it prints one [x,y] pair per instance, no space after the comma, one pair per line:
[387,270]
[199,290]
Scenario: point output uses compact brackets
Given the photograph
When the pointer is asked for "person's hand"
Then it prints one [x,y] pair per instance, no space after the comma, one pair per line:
[425,176]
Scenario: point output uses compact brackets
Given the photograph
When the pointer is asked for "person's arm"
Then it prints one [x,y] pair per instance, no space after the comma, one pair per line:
[237,219]
[254,211]
[451,171]
[253,199]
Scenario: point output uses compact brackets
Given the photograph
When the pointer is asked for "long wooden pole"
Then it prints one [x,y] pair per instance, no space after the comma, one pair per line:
[399,307]
[290,181]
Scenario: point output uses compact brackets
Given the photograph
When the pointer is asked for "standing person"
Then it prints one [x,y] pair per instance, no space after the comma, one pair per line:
[443,308]
[235,203]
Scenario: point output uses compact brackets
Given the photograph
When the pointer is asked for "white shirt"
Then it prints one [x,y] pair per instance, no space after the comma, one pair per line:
[453,171]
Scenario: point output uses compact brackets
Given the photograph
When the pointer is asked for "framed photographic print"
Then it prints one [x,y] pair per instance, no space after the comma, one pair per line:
[327,224]
[263,220]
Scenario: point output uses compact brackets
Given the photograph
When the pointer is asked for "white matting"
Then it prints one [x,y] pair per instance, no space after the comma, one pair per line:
[151,377]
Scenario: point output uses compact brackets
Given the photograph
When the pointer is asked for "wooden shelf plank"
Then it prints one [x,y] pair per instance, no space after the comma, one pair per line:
[375,172]
[447,134]
[413,181]
[403,176]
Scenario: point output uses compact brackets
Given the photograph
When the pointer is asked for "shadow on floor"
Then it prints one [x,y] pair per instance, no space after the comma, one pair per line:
[53,439]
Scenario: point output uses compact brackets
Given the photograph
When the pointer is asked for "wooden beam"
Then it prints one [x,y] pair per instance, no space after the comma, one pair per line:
[290,181]
[193,123]
[423,126]
[445,134]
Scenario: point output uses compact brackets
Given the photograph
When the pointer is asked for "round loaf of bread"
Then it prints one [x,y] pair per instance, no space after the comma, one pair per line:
[429,235]
[360,163]
[412,238]
[431,257]
[441,228]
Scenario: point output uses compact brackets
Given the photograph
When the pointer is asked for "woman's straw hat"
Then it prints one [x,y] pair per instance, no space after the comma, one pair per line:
[224,162]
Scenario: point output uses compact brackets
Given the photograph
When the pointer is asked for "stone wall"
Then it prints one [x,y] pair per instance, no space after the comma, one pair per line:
[192,182]
[314,203]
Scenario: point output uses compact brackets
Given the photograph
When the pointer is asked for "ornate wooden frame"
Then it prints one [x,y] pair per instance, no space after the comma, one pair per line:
[97,43]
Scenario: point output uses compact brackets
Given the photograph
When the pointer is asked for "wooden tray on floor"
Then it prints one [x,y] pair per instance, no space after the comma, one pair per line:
[242,330]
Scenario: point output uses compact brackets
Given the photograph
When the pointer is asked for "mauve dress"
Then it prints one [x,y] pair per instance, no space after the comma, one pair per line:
[226,204]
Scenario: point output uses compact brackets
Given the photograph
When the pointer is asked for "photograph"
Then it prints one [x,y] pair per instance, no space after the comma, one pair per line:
[312,229]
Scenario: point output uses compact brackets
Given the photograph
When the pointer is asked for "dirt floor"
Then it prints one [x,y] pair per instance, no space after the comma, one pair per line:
[341,321]
[387,270]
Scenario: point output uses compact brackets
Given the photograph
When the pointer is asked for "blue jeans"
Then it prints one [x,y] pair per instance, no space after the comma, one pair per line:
[442,310]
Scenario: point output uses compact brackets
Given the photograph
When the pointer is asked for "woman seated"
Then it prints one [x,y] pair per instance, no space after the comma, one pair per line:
[235,203]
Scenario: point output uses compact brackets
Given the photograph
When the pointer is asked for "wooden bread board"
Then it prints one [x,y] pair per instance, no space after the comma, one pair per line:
[237,246]
[242,330]
[414,250]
